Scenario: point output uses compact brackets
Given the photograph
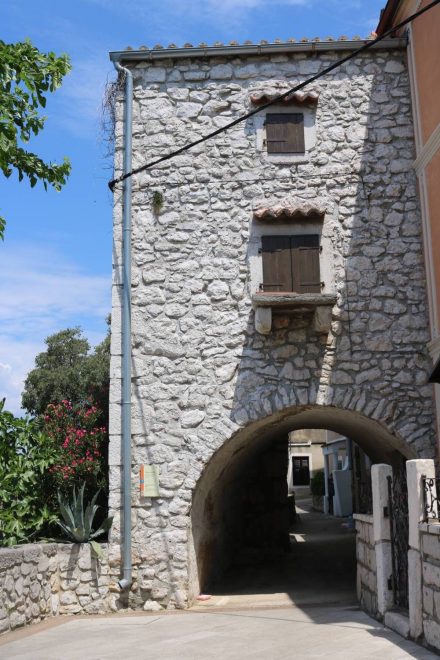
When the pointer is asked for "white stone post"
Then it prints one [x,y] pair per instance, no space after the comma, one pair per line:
[414,471]
[382,535]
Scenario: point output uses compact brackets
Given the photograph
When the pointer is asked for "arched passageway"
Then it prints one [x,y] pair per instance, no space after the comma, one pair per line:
[241,509]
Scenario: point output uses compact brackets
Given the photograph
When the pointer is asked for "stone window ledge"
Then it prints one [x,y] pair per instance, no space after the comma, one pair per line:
[265,303]
[288,299]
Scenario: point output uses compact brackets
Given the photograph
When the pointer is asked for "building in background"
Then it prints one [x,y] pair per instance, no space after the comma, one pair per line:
[305,459]
[423,53]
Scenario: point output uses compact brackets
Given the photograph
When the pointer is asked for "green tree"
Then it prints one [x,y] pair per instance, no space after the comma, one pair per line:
[67,370]
[59,372]
[26,75]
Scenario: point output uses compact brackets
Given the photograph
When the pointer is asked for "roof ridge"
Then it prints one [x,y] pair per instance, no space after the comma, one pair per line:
[262,42]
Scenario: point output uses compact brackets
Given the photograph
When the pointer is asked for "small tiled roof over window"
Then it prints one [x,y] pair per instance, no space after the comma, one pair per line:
[292,208]
[296,98]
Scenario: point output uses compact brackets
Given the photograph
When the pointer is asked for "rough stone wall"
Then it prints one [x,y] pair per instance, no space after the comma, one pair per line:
[430,547]
[201,373]
[28,585]
[366,563]
[38,581]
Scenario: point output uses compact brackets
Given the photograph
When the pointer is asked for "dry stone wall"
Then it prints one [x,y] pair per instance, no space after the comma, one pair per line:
[29,585]
[38,581]
[201,372]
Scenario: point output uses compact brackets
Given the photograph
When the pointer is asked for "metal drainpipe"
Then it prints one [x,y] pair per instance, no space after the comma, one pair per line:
[126,580]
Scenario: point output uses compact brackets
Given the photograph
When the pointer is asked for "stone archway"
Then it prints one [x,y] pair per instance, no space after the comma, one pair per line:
[215,511]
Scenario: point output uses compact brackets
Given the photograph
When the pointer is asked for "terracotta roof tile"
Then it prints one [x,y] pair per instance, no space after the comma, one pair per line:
[263,42]
[289,208]
[298,98]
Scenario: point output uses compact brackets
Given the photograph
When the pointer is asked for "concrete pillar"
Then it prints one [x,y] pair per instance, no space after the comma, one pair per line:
[382,535]
[415,469]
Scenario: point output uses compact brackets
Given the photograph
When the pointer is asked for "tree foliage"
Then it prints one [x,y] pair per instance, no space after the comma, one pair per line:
[26,456]
[67,370]
[26,76]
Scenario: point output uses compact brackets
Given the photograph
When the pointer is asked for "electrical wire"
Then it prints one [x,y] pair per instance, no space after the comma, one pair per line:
[277,99]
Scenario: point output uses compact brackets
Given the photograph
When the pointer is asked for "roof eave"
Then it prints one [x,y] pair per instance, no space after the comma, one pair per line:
[387,15]
[257,49]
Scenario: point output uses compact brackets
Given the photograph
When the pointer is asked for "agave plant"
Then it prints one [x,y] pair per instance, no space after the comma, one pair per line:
[78,522]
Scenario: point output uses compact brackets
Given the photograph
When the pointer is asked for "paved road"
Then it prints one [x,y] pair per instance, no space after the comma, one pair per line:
[275,634]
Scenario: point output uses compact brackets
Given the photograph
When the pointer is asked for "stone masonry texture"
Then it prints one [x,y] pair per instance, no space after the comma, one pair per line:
[42,580]
[204,382]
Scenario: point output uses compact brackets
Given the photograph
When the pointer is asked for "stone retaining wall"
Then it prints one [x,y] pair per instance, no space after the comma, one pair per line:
[430,550]
[38,581]
[366,563]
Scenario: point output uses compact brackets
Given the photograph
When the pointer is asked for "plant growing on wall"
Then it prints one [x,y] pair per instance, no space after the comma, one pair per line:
[157,201]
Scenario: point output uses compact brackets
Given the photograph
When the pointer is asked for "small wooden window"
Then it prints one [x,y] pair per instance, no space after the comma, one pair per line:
[291,263]
[285,133]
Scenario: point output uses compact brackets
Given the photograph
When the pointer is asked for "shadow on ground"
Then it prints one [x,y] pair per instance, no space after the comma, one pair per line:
[320,569]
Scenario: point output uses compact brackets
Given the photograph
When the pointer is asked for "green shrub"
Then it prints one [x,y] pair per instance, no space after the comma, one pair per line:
[26,456]
[317,484]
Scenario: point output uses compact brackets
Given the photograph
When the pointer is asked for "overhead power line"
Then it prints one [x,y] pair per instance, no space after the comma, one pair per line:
[277,99]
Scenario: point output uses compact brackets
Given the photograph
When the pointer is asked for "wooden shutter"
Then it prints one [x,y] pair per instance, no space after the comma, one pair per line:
[285,133]
[305,264]
[277,263]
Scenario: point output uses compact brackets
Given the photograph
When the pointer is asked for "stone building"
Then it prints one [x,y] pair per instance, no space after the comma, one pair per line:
[277,284]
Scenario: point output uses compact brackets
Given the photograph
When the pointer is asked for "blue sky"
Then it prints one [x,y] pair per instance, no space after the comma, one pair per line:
[55,263]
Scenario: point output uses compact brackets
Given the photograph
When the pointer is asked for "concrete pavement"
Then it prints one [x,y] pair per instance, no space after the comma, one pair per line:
[275,634]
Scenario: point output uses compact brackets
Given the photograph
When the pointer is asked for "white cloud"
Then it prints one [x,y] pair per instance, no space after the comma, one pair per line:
[41,294]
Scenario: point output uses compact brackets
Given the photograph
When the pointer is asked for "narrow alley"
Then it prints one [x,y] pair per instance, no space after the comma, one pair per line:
[319,570]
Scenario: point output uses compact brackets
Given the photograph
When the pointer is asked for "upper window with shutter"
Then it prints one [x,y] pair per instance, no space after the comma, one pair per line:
[291,264]
[285,133]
